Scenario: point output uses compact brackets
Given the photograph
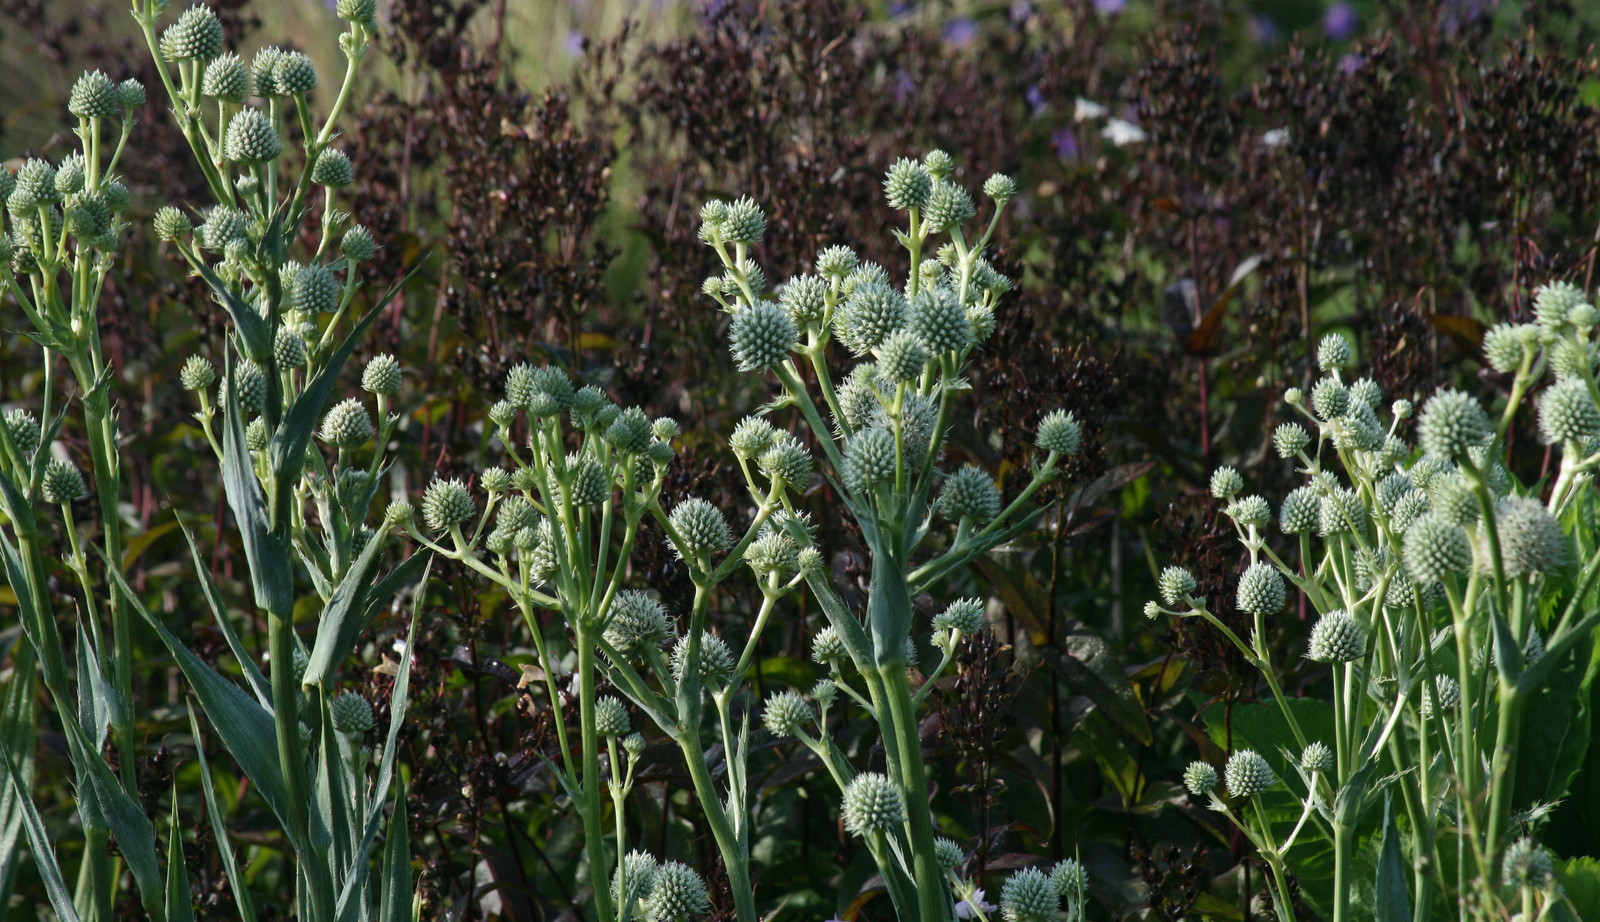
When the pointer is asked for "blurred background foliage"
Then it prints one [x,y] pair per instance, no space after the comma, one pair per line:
[1208,188]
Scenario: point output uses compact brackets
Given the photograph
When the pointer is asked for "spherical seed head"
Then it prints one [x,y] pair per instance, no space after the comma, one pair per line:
[677,895]
[446,504]
[964,616]
[347,424]
[786,713]
[196,35]
[948,853]
[949,206]
[226,79]
[828,647]
[171,224]
[716,660]
[251,138]
[1289,439]
[551,394]
[1503,347]
[24,430]
[358,11]
[1526,862]
[1337,637]
[316,291]
[333,169]
[252,386]
[1317,757]
[1070,878]
[87,215]
[907,185]
[700,527]
[196,374]
[836,262]
[1200,778]
[1531,540]
[1000,187]
[636,875]
[289,349]
[1435,548]
[589,483]
[1333,352]
[357,244]
[611,718]
[1175,584]
[762,336]
[1060,432]
[294,73]
[872,804]
[130,93]
[35,183]
[1451,423]
[255,435]
[62,483]
[1341,511]
[630,431]
[398,514]
[1329,399]
[223,225]
[1226,483]
[1250,510]
[872,312]
[1553,304]
[869,459]
[752,437]
[94,96]
[804,298]
[969,493]
[637,621]
[352,714]
[901,356]
[786,462]
[261,72]
[1443,693]
[1568,413]
[938,164]
[382,375]
[1407,510]
[1248,774]
[1261,590]
[745,223]
[1029,896]
[939,321]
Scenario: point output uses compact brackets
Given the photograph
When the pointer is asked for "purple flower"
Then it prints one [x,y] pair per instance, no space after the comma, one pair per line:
[960,32]
[1066,144]
[1351,63]
[1110,7]
[900,8]
[1340,21]
[1035,99]
[574,44]
[1263,31]
[969,908]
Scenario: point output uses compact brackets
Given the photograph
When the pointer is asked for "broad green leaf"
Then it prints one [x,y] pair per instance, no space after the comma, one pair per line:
[17,729]
[1580,879]
[1556,730]
[1392,903]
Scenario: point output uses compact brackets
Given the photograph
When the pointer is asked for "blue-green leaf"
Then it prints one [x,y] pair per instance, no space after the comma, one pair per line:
[44,857]
[270,572]
[1392,904]
[394,903]
[344,619]
[219,613]
[180,906]
[219,828]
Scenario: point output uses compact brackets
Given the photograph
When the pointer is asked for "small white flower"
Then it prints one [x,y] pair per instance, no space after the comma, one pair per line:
[1277,137]
[1121,133]
[1085,110]
[965,909]
[400,646]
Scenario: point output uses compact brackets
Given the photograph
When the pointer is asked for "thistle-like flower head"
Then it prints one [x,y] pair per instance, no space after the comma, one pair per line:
[1317,758]
[251,138]
[1261,590]
[786,713]
[761,336]
[907,185]
[446,504]
[1176,583]
[1337,637]
[62,483]
[352,715]
[94,96]
[1248,774]
[196,35]
[611,718]
[1451,423]
[1029,896]
[676,895]
[700,527]
[969,493]
[1200,778]
[637,621]
[872,804]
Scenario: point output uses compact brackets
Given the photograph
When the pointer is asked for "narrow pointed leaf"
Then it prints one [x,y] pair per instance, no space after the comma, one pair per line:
[219,613]
[180,905]
[252,328]
[219,828]
[44,857]
[394,904]
[270,573]
[344,619]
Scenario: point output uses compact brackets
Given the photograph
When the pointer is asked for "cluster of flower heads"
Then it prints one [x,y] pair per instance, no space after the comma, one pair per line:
[659,891]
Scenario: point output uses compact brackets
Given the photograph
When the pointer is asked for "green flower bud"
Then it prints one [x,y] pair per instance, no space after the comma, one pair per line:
[836,262]
[949,206]
[1000,187]
[804,299]
[171,224]
[1175,584]
[677,895]
[969,493]
[872,312]
[633,744]
[939,321]
[62,483]
[869,459]
[196,35]
[786,714]
[1029,896]
[1503,347]
[589,485]
[1060,432]
[700,528]
[333,169]
[828,648]
[938,164]
[901,357]
[226,79]
[262,67]
[1443,693]
[745,223]
[71,175]
[223,225]
[352,715]
[357,11]
[636,875]
[948,853]
[1366,391]
[130,93]
[1317,758]
[398,514]
[1531,541]
[611,718]
[315,290]
[963,616]
[1333,352]
[1329,399]
[196,374]
[752,437]
[1553,303]
[289,349]
[1250,510]
[716,660]
[907,185]
[1200,778]
[255,435]
[762,336]
[1451,423]
[629,432]
[35,185]
[1226,483]
[87,216]
[252,385]
[1337,638]
[357,244]
[1340,512]
[1435,548]
[293,73]
[1527,862]
[865,274]
[637,621]
[1248,774]
[446,504]
[251,138]
[1261,590]
[382,375]
[786,462]
[1567,413]
[347,425]
[872,804]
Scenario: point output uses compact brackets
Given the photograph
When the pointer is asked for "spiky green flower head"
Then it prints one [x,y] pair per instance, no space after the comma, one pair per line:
[676,895]
[398,514]
[629,432]
[1569,360]
[1531,540]
[1443,694]
[1317,758]
[1333,352]
[938,164]
[1435,548]
[251,138]
[446,504]
[255,435]
[1567,413]
[1200,778]
[1341,511]
[289,349]
[1453,498]
[611,718]
[1060,432]
[1289,439]
[867,317]
[347,424]
[252,388]
[197,374]
[1527,863]
[636,622]
[1070,878]
[549,393]
[949,206]
[590,486]
[1248,774]
[786,462]
[634,878]
[1226,483]
[1329,399]
[316,291]
[907,185]
[130,93]
[1390,490]
[836,262]
[869,459]
[742,221]
[786,714]
[804,299]
[901,356]
[1505,346]
[226,79]
[62,483]
[969,493]
[1337,637]
[963,616]
[872,804]
[1176,584]
[1030,896]
[197,35]
[700,528]
[357,244]
[1250,511]
[382,375]
[948,853]
[1001,188]
[35,185]
[361,12]
[1553,304]
[94,96]
[1368,392]
[761,336]
[293,73]
[171,224]
[352,715]
[939,321]
[87,215]
[865,274]
[1452,422]
[752,437]
[716,660]
[223,225]
[333,169]
[1261,590]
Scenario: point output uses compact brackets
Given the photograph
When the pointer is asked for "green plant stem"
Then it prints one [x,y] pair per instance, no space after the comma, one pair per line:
[589,784]
[933,903]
